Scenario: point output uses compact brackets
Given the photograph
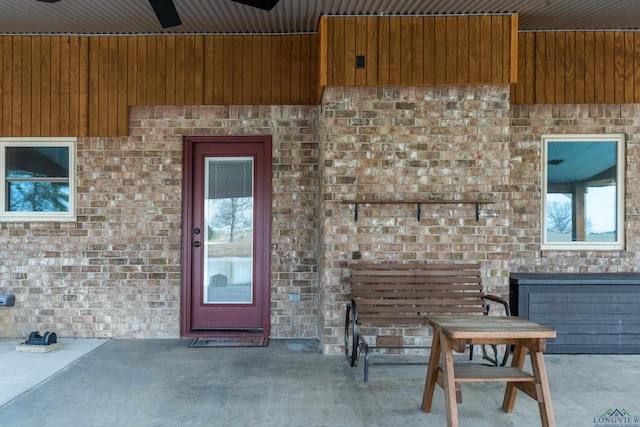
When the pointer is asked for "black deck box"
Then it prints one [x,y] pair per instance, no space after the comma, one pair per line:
[591,312]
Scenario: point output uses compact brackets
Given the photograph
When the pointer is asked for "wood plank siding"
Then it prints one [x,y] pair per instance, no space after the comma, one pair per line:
[84,85]
[418,50]
[577,67]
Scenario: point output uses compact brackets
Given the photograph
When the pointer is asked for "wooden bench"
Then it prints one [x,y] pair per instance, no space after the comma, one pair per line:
[396,295]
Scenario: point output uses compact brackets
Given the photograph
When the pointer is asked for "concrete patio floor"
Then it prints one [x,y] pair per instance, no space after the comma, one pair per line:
[288,383]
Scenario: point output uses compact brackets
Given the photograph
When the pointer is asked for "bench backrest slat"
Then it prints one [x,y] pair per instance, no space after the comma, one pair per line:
[423,295]
[396,293]
[428,287]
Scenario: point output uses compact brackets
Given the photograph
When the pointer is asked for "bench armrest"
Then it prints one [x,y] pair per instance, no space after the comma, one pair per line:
[499,300]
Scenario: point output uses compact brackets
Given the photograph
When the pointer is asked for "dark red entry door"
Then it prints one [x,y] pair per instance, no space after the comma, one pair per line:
[226,236]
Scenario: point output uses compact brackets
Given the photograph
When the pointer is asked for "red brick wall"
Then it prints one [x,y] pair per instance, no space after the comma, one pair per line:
[116,271]
[412,143]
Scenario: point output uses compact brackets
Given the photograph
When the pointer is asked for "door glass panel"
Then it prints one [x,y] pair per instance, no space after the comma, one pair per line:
[228,219]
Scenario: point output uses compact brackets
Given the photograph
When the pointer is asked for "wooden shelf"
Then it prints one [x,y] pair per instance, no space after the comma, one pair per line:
[419,203]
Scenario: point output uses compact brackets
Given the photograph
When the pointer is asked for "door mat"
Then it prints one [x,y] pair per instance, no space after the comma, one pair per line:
[230,342]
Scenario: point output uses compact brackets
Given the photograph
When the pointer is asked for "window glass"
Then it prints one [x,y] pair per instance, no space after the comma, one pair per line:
[38,178]
[583,190]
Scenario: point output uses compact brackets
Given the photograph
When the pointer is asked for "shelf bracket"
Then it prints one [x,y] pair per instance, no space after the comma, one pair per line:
[419,203]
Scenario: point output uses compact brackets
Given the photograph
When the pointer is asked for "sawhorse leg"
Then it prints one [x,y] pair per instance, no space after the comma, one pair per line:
[432,373]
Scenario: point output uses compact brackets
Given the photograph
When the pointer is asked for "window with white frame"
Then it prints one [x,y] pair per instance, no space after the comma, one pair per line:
[38,179]
[583,191]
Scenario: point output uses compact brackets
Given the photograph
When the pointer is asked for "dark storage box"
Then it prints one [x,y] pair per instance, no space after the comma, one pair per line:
[591,312]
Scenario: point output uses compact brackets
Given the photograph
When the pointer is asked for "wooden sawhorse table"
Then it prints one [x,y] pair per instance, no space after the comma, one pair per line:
[455,332]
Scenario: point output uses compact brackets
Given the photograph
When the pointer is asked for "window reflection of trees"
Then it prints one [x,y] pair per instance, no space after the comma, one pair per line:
[38,196]
[231,215]
[583,189]
[37,178]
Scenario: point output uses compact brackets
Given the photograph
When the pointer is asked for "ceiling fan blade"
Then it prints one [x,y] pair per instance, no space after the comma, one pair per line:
[260,4]
[166,12]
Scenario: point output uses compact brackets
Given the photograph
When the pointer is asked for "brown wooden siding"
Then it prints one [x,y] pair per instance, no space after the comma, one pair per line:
[44,86]
[83,86]
[578,67]
[418,50]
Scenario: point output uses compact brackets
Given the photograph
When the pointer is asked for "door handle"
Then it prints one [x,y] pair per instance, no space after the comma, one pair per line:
[196,244]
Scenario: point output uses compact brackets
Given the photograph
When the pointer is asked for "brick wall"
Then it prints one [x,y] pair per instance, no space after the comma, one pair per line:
[7,322]
[528,124]
[412,143]
[116,271]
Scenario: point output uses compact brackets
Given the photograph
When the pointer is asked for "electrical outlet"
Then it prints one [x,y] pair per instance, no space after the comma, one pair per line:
[294,297]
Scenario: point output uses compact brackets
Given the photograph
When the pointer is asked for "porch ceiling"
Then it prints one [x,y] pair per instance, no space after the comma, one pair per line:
[295,16]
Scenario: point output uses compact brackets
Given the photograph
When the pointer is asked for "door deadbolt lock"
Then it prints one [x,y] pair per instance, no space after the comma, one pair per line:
[196,231]
[196,244]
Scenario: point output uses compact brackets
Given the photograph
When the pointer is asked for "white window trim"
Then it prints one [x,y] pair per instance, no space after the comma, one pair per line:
[71,143]
[619,243]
